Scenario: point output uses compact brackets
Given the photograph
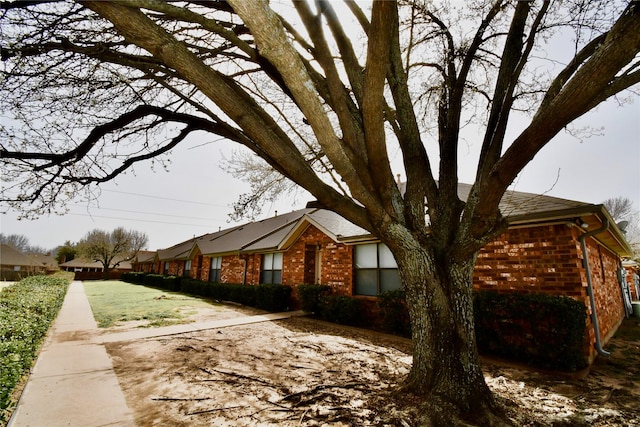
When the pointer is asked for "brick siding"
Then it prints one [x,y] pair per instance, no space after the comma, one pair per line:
[548,259]
[336,262]
[543,259]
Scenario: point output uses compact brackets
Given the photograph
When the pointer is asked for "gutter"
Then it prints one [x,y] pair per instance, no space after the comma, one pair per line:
[585,262]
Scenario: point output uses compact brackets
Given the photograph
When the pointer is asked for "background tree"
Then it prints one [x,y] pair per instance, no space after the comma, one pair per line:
[21,243]
[321,96]
[66,252]
[622,209]
[111,248]
[18,242]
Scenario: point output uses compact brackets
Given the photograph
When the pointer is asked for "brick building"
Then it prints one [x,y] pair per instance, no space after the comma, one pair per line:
[543,251]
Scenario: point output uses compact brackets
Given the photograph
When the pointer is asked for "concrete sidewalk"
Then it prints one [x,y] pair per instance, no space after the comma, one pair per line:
[73,382]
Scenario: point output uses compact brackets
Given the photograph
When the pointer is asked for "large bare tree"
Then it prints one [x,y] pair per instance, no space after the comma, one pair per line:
[110,248]
[322,96]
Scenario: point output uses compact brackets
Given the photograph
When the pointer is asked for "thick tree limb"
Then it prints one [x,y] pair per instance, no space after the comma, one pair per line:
[588,86]
[383,23]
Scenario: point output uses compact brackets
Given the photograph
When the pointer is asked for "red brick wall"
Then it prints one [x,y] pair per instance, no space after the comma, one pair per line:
[174,268]
[532,260]
[337,268]
[336,261]
[607,292]
[202,272]
[548,259]
[635,296]
[232,269]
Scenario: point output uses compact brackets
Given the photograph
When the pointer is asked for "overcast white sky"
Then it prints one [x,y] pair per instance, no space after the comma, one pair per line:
[194,198]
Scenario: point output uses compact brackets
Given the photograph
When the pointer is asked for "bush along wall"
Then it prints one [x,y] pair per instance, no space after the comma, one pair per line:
[272,298]
[27,309]
[169,283]
[136,277]
[311,296]
[345,310]
[394,315]
[540,330]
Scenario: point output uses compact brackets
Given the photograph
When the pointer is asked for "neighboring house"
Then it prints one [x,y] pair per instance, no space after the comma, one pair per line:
[85,269]
[144,261]
[15,265]
[633,278]
[47,262]
[542,252]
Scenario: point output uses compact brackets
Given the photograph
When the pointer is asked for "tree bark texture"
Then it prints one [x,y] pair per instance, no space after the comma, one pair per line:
[446,372]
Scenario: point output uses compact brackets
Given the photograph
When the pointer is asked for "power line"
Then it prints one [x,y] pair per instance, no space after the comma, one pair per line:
[165,198]
[147,213]
[139,220]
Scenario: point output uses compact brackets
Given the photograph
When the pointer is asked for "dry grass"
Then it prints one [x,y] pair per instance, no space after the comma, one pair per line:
[113,302]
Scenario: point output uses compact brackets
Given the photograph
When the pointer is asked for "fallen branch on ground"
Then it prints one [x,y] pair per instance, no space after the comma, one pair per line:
[319,387]
[206,411]
[181,398]
[241,376]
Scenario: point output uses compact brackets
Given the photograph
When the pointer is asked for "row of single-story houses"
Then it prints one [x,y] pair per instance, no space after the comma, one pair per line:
[15,264]
[553,246]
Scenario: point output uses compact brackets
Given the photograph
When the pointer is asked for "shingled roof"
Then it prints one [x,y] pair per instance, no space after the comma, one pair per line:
[253,236]
[12,257]
[279,232]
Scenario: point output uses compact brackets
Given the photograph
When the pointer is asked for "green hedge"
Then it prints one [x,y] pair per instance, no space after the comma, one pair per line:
[311,295]
[136,277]
[265,297]
[541,330]
[27,309]
[394,315]
[170,283]
[273,297]
[345,310]
[342,309]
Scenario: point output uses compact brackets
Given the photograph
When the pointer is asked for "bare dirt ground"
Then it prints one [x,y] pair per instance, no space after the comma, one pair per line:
[302,372]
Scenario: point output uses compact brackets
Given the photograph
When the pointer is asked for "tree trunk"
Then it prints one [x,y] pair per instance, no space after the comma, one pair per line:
[446,372]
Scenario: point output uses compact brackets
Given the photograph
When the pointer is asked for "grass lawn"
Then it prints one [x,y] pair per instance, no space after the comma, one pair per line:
[114,301]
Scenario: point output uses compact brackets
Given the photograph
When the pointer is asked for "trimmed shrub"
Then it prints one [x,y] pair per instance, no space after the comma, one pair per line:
[169,283]
[341,309]
[136,277]
[273,297]
[265,297]
[195,287]
[27,309]
[541,330]
[394,314]
[311,295]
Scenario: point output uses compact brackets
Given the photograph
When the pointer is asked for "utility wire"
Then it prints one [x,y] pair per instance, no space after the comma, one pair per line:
[165,198]
[148,213]
[139,220]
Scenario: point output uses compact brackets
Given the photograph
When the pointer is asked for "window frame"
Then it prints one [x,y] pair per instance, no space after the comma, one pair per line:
[186,271]
[214,273]
[381,273]
[271,275]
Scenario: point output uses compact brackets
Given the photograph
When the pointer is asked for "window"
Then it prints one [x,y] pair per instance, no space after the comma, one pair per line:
[271,272]
[216,266]
[376,270]
[166,267]
[187,268]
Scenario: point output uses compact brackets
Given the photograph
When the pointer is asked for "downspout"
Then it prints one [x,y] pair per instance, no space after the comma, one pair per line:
[592,300]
